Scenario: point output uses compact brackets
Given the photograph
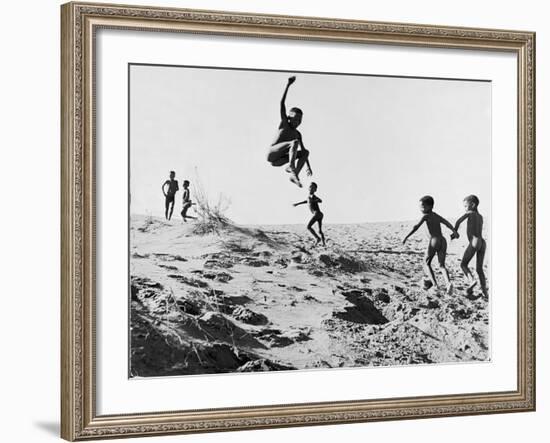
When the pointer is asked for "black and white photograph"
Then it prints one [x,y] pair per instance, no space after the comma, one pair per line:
[306,220]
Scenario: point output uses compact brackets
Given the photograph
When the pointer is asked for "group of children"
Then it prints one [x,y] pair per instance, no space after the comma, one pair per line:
[438,245]
[288,147]
[169,189]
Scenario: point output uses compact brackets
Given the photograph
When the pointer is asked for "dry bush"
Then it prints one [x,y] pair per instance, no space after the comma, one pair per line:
[210,215]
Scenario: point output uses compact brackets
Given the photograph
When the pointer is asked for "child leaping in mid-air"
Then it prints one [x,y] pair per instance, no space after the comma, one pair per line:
[288,146]
[437,244]
[313,202]
[476,246]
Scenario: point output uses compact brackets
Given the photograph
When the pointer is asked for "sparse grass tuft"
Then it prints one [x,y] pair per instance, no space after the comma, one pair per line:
[210,216]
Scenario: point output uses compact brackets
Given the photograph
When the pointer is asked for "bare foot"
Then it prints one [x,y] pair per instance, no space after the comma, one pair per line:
[485,293]
[471,286]
[427,284]
[294,179]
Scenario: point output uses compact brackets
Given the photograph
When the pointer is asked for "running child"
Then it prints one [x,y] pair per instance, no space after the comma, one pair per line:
[187,203]
[437,243]
[476,246]
[313,203]
[288,146]
[170,194]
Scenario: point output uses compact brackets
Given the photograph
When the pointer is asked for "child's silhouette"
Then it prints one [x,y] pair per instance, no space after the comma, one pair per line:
[288,146]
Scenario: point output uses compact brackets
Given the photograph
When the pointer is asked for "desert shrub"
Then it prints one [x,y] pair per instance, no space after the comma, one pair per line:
[210,213]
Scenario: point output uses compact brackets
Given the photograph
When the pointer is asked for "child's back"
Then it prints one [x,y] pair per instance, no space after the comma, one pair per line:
[433,222]
[437,243]
[476,245]
[474,227]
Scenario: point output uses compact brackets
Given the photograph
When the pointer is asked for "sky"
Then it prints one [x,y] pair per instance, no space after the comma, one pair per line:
[377,144]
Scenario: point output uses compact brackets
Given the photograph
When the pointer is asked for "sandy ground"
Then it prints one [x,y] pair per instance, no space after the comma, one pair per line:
[266,298]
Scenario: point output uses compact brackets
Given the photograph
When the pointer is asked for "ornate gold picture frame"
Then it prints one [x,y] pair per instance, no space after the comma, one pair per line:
[80,23]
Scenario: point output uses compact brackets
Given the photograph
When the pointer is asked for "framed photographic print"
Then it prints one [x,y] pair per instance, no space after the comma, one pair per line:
[255,206]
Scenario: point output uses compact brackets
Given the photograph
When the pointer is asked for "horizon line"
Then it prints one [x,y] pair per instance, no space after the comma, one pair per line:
[286,224]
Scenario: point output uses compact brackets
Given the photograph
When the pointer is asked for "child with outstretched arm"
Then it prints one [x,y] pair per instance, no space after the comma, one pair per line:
[476,244]
[288,146]
[437,243]
[313,203]
[170,194]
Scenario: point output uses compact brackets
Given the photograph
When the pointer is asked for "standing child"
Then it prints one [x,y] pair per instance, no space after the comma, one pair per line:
[186,200]
[476,246]
[436,245]
[313,202]
[170,195]
[288,146]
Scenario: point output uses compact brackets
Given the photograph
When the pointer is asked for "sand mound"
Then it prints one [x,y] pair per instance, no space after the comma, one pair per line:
[263,299]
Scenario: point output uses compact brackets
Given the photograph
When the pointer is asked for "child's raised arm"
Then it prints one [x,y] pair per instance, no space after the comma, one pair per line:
[300,203]
[283,106]
[414,229]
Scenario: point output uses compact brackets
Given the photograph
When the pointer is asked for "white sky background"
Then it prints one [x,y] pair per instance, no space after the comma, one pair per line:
[377,144]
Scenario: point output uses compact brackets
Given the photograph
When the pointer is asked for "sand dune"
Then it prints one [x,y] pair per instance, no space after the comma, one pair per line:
[266,298]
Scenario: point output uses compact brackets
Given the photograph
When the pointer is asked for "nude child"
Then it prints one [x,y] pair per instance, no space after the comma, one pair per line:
[170,194]
[476,244]
[288,146]
[436,244]
[313,203]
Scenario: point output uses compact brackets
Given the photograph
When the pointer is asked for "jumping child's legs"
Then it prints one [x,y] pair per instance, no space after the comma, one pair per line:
[279,153]
[288,152]
[301,156]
